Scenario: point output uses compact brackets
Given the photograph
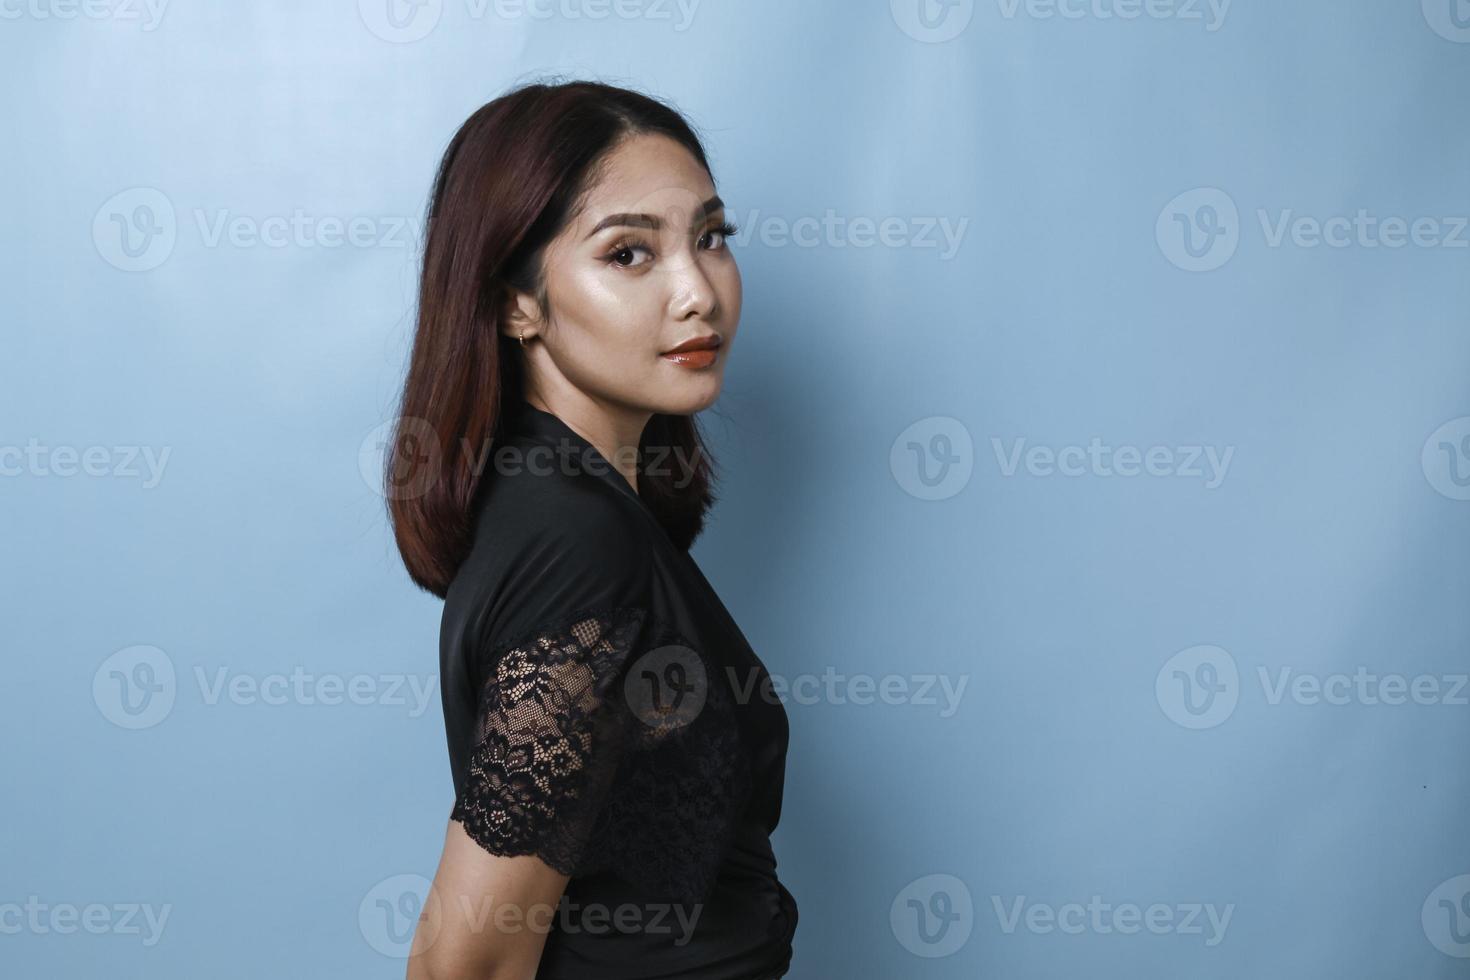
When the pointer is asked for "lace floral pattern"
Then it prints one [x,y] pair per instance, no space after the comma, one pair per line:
[570,764]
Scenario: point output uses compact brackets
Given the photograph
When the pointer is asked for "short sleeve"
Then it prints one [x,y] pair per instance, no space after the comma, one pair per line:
[599,737]
[549,736]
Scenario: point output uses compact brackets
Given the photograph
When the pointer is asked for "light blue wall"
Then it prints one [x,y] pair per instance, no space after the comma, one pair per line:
[910,493]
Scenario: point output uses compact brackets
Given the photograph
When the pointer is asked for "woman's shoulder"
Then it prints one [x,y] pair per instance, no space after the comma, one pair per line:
[550,513]
[549,545]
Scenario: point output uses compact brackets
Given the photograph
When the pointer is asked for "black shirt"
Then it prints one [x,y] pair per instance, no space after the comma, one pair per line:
[605,713]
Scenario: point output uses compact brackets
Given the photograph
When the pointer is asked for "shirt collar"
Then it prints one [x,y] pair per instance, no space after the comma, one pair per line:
[571,448]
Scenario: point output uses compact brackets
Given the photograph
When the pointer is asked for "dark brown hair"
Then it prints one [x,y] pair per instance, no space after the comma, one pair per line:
[511,179]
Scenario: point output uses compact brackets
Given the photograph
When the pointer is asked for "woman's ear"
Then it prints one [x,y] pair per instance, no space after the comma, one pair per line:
[519,316]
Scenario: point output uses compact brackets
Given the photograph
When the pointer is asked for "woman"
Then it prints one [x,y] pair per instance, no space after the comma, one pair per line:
[617,754]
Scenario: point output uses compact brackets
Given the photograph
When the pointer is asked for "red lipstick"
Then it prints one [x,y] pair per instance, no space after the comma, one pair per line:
[698,352]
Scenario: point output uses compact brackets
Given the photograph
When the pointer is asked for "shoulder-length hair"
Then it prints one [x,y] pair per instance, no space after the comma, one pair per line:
[510,180]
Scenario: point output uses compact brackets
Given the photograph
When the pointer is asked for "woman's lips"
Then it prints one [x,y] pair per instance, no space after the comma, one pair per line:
[693,358]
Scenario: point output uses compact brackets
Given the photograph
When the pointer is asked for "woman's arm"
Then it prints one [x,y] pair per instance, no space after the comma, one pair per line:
[486,916]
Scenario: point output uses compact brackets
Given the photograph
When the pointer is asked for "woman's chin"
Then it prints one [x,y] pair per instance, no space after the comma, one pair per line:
[690,396]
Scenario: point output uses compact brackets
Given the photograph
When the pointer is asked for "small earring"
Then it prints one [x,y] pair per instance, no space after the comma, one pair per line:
[523,340]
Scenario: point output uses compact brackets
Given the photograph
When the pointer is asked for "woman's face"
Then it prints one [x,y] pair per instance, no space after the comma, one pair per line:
[643,268]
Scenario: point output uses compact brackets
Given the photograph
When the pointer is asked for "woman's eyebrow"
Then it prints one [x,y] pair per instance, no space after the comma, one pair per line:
[653,222]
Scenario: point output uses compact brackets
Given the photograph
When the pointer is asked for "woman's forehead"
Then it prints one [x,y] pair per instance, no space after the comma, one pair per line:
[648,175]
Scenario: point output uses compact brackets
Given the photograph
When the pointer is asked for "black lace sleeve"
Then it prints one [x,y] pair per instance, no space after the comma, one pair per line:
[606,742]
[550,734]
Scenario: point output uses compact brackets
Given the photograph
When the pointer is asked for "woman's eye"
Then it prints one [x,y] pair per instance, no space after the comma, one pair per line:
[623,253]
[627,250]
[722,231]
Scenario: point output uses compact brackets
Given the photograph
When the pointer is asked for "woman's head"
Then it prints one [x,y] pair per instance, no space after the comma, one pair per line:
[640,267]
[583,218]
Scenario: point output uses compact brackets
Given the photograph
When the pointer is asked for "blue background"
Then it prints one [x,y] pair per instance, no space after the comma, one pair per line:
[1119,182]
